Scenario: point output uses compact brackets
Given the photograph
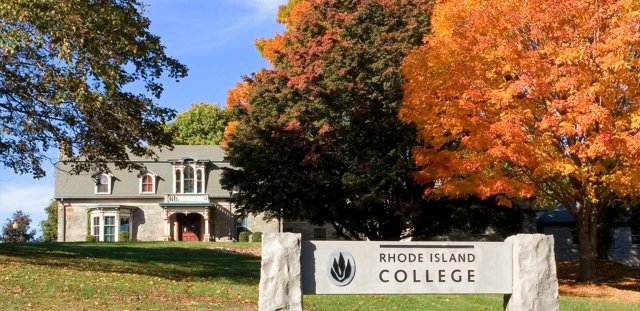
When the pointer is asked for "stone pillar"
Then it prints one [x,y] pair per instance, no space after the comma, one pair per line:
[167,226]
[280,275]
[116,230]
[207,233]
[62,222]
[535,283]
[176,229]
[101,229]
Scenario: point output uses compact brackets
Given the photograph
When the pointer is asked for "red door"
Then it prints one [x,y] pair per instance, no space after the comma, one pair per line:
[190,227]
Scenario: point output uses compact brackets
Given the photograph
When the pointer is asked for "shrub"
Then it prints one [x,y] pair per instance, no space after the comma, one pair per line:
[256,237]
[91,238]
[124,237]
[243,237]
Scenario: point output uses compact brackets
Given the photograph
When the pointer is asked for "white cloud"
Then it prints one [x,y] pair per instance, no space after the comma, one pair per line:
[259,11]
[267,7]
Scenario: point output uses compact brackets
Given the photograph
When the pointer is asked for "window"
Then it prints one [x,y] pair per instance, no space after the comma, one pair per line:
[147,183]
[109,228]
[108,221]
[199,181]
[178,181]
[188,179]
[575,236]
[124,224]
[103,184]
[96,227]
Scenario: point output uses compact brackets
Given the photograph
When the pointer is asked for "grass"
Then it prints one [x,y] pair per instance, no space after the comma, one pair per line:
[183,276]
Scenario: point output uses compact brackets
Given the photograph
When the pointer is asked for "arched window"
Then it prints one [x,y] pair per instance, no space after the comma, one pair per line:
[147,183]
[199,181]
[178,182]
[188,179]
[103,184]
[189,176]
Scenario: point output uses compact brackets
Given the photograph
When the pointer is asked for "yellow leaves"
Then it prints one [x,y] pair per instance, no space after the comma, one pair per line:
[271,48]
[228,132]
[238,97]
[635,121]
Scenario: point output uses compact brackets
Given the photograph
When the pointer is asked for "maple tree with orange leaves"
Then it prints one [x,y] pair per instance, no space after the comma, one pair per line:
[530,99]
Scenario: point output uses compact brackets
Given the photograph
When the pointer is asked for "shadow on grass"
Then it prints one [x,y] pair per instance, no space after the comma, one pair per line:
[178,262]
[607,272]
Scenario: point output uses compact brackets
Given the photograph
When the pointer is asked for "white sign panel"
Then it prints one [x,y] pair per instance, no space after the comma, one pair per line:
[346,267]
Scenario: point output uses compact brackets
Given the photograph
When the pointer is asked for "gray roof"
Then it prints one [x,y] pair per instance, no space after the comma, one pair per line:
[213,153]
[126,184]
[559,216]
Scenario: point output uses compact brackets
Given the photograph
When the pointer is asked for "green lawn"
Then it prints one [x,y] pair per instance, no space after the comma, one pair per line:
[181,276]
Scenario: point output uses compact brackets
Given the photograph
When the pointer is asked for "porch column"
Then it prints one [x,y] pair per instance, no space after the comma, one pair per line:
[101,229]
[167,226]
[176,229]
[207,233]
[117,228]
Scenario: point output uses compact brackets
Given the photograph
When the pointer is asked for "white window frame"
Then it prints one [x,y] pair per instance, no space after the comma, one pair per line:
[192,179]
[198,183]
[99,179]
[101,214]
[95,228]
[153,183]
[115,225]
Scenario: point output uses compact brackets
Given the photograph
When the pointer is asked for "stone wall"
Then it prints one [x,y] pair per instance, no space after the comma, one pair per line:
[222,221]
[258,224]
[76,228]
[148,223]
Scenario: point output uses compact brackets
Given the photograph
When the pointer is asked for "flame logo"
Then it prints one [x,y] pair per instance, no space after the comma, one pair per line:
[341,268]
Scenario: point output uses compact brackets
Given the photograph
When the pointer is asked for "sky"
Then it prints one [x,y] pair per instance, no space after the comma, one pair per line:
[215,39]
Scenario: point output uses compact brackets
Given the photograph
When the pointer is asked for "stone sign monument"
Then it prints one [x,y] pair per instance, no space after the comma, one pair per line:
[522,268]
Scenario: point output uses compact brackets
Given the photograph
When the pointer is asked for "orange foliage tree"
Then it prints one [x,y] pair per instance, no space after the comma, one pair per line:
[530,99]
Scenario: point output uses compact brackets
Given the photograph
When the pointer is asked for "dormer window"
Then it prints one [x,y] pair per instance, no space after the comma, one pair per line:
[189,178]
[103,184]
[147,183]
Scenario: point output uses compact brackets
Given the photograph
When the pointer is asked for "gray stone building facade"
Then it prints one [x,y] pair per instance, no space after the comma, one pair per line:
[176,198]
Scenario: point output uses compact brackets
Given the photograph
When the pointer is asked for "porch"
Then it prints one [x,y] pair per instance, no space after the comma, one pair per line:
[187,221]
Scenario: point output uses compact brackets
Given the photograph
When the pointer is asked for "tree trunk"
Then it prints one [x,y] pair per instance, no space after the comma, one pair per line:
[587,230]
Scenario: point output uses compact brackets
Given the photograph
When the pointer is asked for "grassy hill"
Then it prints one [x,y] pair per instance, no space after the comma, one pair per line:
[182,276]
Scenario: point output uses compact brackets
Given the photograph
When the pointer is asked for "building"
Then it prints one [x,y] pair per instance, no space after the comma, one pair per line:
[624,246]
[176,198]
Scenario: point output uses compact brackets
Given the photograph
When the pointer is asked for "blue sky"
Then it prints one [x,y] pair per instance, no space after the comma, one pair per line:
[214,38]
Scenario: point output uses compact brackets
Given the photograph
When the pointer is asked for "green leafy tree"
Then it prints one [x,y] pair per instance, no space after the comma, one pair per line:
[317,137]
[203,124]
[64,69]
[16,229]
[49,226]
